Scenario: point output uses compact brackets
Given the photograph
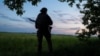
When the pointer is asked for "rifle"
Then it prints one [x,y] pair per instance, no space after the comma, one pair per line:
[31,20]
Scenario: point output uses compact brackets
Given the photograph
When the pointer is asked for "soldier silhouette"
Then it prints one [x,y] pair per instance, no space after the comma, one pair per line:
[43,25]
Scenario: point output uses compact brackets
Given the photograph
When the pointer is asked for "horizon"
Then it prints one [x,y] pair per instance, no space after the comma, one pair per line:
[66,20]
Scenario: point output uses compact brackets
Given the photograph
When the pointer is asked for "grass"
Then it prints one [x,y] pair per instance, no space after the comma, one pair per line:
[22,44]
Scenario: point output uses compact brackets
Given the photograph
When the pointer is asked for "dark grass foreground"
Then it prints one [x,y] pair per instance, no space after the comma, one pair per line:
[16,44]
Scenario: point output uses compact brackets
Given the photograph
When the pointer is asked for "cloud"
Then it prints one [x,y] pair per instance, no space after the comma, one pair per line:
[74,28]
[7,17]
[63,14]
[67,17]
[14,22]
[68,31]
[60,13]
[8,28]
[9,24]
[57,11]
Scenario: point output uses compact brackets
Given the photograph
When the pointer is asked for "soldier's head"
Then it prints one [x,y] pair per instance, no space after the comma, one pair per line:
[43,10]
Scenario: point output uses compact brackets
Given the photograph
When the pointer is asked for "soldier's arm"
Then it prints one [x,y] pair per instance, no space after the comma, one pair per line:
[50,21]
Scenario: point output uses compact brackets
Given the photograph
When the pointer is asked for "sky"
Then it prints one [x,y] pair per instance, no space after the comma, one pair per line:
[66,19]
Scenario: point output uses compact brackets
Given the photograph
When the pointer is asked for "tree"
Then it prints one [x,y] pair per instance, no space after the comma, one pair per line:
[91,11]
[17,5]
[91,18]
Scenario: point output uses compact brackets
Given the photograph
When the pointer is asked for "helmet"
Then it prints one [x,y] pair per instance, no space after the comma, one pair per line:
[43,10]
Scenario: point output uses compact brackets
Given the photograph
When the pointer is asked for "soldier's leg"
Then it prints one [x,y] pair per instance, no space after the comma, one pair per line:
[48,39]
[40,37]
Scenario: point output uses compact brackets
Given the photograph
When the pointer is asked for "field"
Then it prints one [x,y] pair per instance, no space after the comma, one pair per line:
[23,44]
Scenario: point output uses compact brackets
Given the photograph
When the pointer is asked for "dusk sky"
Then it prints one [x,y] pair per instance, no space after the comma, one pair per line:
[67,20]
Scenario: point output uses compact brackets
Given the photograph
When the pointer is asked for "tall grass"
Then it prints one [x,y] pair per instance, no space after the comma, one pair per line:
[22,44]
